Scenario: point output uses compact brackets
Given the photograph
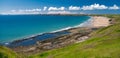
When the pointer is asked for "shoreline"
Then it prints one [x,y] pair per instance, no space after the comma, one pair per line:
[90,23]
[38,34]
[62,38]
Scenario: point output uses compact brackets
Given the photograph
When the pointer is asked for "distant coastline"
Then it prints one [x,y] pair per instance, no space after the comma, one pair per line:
[59,38]
[90,23]
[39,26]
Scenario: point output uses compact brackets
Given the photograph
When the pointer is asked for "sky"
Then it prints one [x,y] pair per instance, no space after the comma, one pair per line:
[60,6]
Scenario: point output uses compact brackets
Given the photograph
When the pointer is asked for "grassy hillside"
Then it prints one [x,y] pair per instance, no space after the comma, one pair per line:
[7,53]
[104,43]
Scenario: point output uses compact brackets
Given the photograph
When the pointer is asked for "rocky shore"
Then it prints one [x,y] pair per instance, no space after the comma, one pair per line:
[77,35]
[36,44]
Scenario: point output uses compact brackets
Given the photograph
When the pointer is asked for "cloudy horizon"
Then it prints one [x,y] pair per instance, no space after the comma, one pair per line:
[94,8]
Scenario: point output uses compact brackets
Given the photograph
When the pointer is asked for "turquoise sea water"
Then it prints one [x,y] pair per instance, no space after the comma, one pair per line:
[13,27]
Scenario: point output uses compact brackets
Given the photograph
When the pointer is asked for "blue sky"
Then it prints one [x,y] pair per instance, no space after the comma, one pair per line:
[60,6]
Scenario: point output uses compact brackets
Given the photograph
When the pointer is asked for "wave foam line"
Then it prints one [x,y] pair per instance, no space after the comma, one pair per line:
[87,23]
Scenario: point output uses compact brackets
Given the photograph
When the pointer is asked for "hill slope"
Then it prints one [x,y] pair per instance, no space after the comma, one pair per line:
[7,53]
[104,43]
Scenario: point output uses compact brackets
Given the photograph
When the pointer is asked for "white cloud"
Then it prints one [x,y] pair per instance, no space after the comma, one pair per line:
[115,7]
[82,13]
[59,12]
[74,8]
[55,8]
[45,8]
[26,11]
[94,6]
[32,10]
[13,10]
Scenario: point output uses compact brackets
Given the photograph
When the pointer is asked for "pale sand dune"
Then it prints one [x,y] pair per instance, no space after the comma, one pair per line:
[99,21]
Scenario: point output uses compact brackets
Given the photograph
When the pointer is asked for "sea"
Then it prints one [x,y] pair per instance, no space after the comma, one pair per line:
[15,27]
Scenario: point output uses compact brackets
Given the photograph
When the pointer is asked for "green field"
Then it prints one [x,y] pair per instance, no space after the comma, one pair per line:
[7,53]
[104,43]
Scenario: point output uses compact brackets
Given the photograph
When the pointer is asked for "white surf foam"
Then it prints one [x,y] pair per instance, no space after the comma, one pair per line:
[87,23]
[84,24]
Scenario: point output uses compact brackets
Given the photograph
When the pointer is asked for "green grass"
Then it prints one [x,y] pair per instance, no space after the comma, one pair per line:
[7,53]
[104,43]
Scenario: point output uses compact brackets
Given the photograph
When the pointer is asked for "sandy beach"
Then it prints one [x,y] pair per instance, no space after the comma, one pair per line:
[64,38]
[100,21]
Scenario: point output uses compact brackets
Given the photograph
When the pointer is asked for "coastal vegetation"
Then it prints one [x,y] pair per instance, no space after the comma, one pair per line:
[7,53]
[103,43]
